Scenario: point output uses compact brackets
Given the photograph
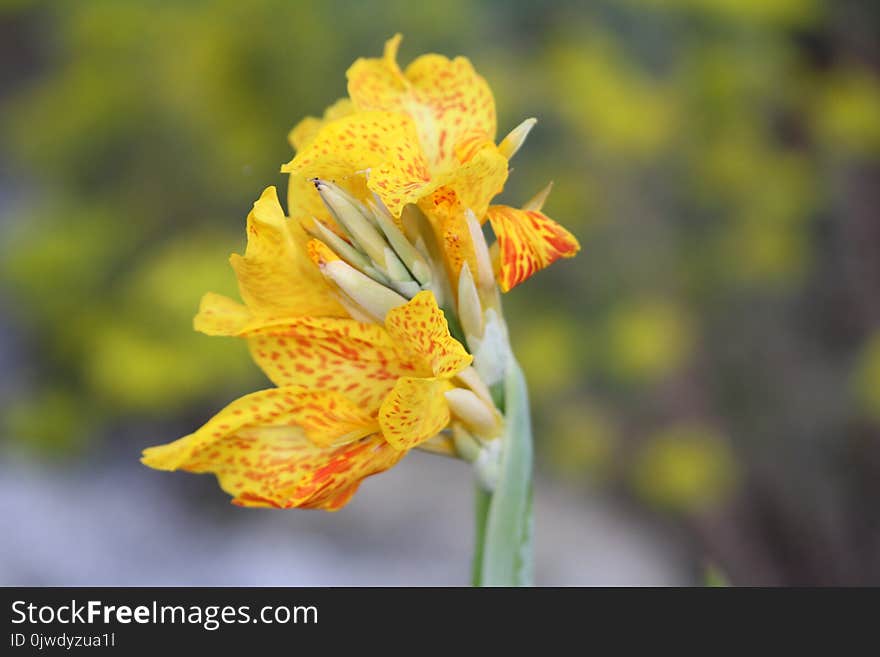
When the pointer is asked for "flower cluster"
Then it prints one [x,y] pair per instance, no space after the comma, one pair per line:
[374,307]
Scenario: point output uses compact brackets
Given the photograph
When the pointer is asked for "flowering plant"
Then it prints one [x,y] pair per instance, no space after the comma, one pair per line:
[375,307]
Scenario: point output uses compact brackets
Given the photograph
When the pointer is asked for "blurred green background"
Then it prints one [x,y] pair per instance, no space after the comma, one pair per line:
[711,360]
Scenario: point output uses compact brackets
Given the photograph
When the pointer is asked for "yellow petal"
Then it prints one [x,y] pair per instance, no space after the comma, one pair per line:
[383,142]
[276,277]
[414,411]
[446,214]
[306,130]
[378,83]
[473,187]
[327,417]
[528,241]
[480,179]
[351,357]
[262,460]
[421,335]
[448,101]
[220,315]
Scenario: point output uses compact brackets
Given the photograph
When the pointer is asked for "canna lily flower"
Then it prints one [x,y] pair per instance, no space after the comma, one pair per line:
[425,136]
[374,308]
[352,398]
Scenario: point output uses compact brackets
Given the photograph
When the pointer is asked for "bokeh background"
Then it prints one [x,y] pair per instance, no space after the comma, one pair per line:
[705,375]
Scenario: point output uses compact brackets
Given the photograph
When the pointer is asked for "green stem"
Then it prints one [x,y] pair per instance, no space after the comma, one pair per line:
[482,498]
[503,555]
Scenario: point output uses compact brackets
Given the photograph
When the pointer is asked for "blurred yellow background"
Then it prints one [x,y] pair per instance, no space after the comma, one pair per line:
[705,374]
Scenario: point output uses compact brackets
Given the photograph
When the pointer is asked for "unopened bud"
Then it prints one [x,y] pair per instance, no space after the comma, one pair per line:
[420,233]
[515,139]
[535,203]
[478,416]
[466,445]
[347,252]
[471,378]
[488,465]
[470,310]
[374,298]
[492,351]
[401,245]
[483,277]
[352,215]
[397,272]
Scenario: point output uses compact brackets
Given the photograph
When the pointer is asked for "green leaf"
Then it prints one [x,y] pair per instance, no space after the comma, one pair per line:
[507,534]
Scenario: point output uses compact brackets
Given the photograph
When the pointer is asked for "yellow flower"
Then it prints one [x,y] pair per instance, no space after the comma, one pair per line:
[341,301]
[352,397]
[425,136]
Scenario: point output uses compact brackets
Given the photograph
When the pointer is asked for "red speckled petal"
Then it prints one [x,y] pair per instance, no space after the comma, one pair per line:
[265,461]
[384,143]
[351,357]
[475,184]
[527,242]
[415,411]
[449,102]
[421,335]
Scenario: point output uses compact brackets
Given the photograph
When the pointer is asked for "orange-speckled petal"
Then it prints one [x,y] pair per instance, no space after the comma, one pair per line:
[378,83]
[474,185]
[278,467]
[306,130]
[414,411]
[320,253]
[351,357]
[275,275]
[446,214]
[384,143]
[317,478]
[528,241]
[220,315]
[325,416]
[263,460]
[480,179]
[421,336]
[449,102]
[328,417]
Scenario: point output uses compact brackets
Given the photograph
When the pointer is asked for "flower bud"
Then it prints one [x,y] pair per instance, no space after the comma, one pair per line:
[470,310]
[484,277]
[354,217]
[492,351]
[488,465]
[401,245]
[535,203]
[515,139]
[347,252]
[477,415]
[374,298]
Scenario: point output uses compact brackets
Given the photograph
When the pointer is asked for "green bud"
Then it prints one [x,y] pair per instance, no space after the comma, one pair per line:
[373,297]
[535,203]
[470,310]
[515,139]
[484,277]
[413,260]
[347,252]
[492,351]
[351,214]
[480,418]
